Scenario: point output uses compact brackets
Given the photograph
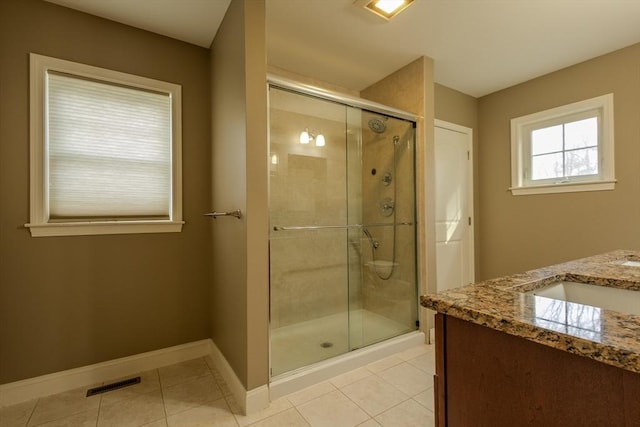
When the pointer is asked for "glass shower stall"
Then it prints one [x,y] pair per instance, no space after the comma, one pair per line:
[342,215]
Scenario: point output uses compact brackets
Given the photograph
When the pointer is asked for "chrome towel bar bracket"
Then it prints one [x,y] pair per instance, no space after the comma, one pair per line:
[214,214]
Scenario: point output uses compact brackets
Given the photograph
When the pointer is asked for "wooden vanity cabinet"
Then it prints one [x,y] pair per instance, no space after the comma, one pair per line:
[489,378]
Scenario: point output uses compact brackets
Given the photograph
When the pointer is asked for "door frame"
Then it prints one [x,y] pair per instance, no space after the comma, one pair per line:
[468,132]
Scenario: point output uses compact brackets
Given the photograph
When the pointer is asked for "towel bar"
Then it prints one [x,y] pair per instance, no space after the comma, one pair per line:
[214,214]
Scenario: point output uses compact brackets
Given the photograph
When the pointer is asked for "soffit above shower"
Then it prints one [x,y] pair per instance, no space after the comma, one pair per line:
[478,46]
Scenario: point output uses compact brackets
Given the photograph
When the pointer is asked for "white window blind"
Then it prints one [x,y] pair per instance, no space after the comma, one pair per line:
[109,150]
[105,151]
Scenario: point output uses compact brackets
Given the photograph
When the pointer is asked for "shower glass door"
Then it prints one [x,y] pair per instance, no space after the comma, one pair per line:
[307,244]
[342,237]
[383,295]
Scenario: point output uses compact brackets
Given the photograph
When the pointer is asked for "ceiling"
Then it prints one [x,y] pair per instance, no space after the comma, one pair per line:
[478,46]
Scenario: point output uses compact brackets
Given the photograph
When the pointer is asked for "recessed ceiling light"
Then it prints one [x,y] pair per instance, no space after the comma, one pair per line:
[385,8]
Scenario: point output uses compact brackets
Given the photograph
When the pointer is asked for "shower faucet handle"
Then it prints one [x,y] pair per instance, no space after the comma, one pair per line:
[387,206]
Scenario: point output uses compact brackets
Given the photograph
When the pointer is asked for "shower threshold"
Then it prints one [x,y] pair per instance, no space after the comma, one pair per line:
[290,382]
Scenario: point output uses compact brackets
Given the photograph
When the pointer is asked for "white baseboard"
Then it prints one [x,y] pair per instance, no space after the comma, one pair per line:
[250,401]
[58,382]
[21,391]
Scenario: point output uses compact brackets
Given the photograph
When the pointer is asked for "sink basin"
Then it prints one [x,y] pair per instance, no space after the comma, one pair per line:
[632,263]
[621,300]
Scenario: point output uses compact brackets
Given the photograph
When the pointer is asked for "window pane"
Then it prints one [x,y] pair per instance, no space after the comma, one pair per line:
[582,162]
[581,134]
[546,140]
[109,150]
[547,166]
[569,145]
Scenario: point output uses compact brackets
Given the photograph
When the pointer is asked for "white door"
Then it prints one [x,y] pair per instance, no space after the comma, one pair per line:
[454,205]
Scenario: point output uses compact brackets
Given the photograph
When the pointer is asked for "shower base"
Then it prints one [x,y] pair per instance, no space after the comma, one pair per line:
[302,344]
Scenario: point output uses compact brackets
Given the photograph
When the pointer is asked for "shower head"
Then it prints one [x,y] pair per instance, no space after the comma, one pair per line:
[377,125]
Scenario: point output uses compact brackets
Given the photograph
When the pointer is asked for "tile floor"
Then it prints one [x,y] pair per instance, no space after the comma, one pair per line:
[396,391]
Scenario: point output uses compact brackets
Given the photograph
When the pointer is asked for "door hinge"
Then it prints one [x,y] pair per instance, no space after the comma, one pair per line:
[468,155]
[469,220]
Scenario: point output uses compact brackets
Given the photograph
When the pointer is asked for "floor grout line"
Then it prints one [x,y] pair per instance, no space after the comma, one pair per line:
[164,403]
[99,410]
[32,412]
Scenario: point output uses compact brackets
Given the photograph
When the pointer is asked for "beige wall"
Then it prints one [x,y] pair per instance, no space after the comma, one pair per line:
[257,195]
[239,289]
[462,109]
[411,89]
[72,301]
[525,232]
[456,107]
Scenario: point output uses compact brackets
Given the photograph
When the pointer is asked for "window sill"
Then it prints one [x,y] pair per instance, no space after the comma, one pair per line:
[570,187]
[103,227]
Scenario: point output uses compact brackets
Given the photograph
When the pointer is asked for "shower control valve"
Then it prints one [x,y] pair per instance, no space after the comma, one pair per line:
[386,179]
[387,207]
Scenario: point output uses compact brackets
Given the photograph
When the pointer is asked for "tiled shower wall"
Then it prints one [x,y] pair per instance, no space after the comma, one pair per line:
[393,298]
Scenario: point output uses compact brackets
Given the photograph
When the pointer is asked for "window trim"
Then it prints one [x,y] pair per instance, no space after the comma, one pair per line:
[520,148]
[39,224]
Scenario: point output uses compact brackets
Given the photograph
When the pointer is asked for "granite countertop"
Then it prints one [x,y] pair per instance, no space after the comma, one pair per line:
[604,335]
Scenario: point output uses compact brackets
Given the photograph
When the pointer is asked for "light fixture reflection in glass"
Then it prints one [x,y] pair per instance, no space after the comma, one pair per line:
[305,137]
[274,159]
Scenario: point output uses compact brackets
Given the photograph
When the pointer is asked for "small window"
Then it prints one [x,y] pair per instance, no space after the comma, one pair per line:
[105,151]
[565,149]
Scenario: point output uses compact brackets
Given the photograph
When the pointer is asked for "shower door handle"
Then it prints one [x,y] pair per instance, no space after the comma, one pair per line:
[314,227]
[335,227]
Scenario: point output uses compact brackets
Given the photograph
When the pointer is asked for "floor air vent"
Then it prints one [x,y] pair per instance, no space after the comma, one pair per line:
[113,386]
